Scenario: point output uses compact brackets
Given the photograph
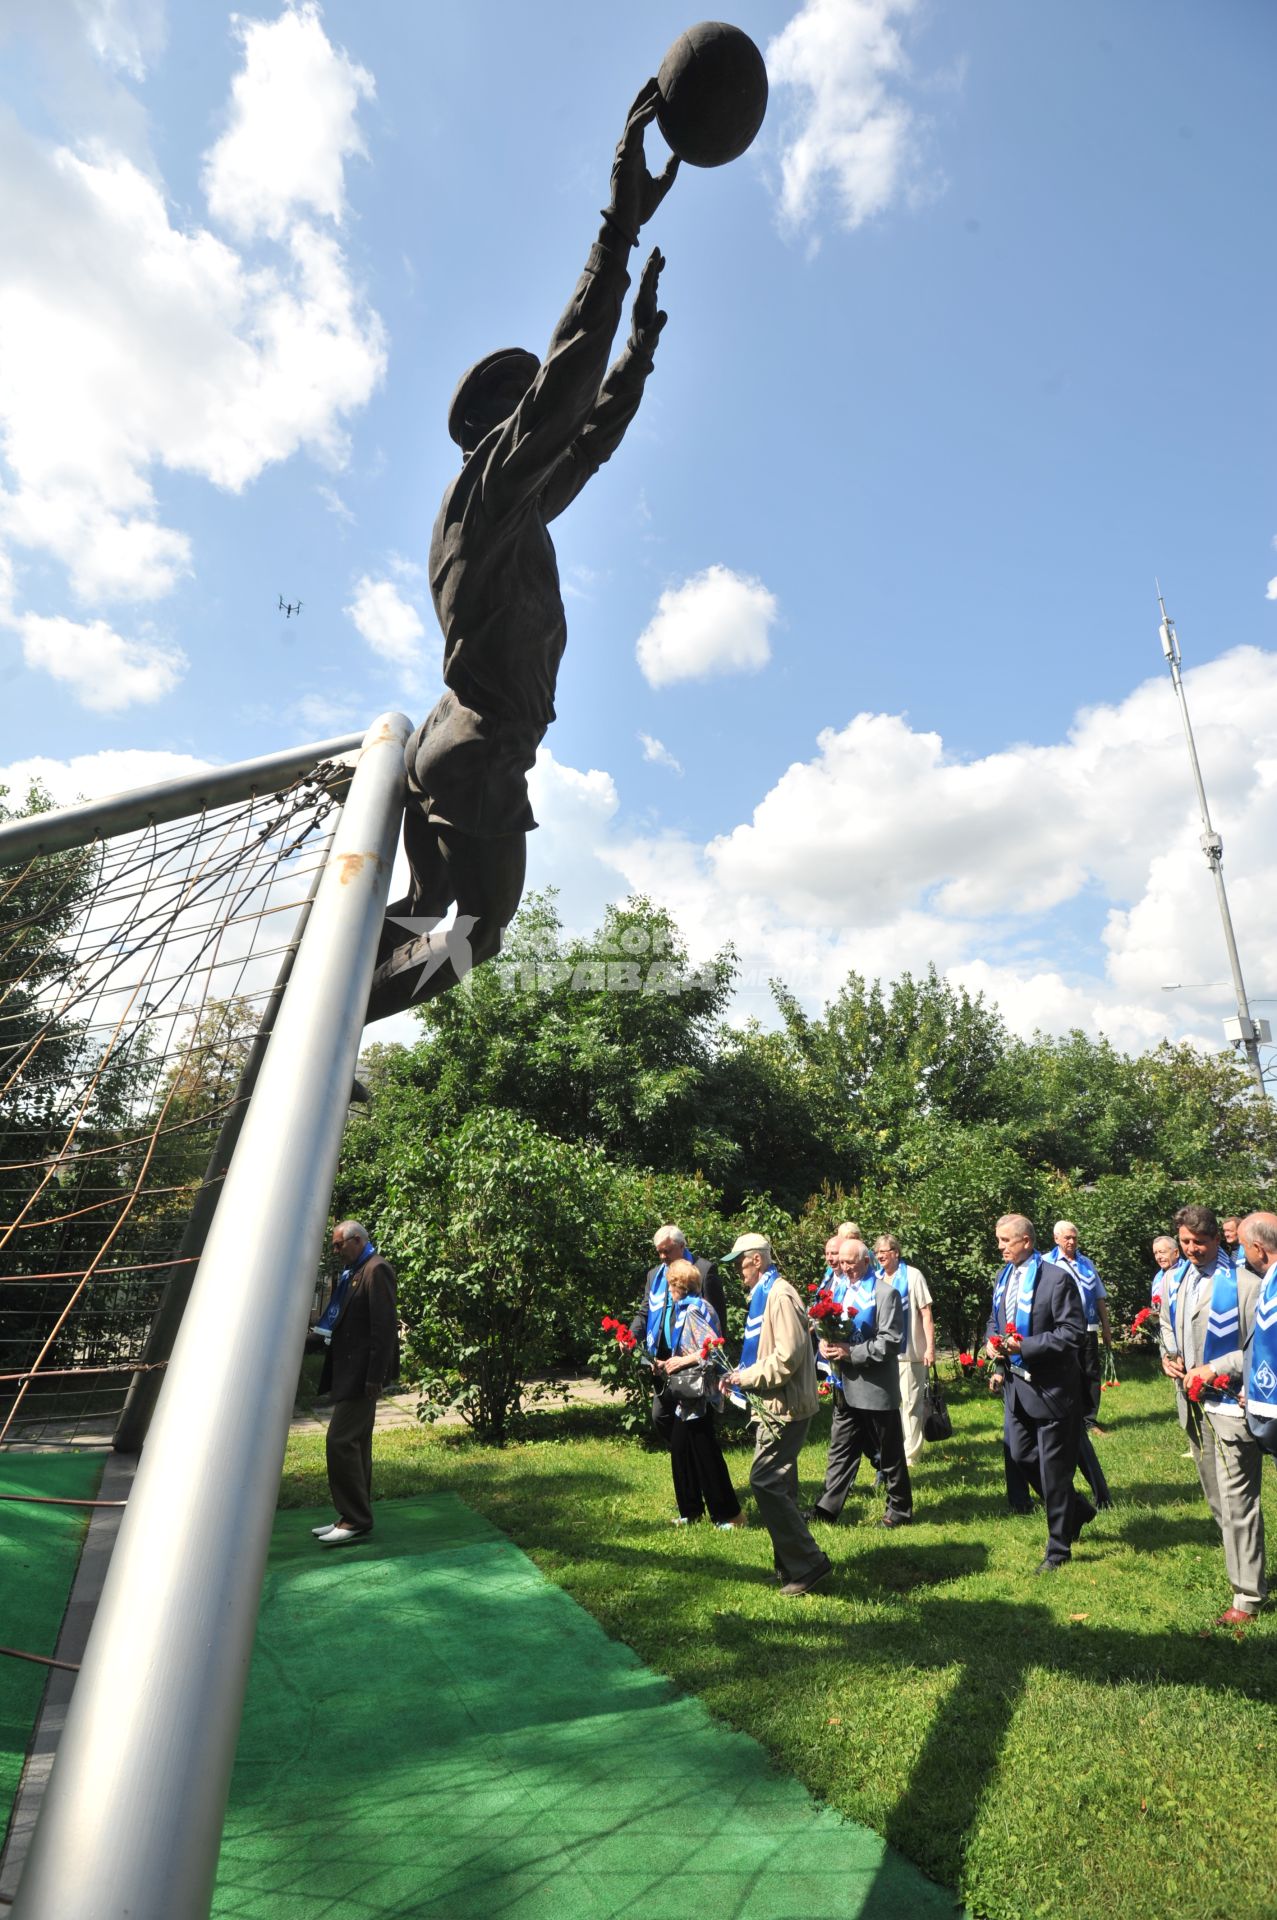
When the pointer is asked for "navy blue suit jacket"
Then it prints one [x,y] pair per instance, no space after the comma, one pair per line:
[1052,1350]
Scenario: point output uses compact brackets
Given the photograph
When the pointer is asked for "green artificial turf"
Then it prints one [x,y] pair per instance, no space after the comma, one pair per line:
[39,1550]
[434,1729]
[1086,1745]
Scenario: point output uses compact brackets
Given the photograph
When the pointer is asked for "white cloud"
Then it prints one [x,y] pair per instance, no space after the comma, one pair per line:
[1272,589]
[136,343]
[335,504]
[658,753]
[105,671]
[392,627]
[93,776]
[1064,880]
[851,133]
[325,718]
[125,34]
[715,623]
[291,127]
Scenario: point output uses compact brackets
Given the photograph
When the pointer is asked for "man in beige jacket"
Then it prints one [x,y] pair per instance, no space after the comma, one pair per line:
[777,1363]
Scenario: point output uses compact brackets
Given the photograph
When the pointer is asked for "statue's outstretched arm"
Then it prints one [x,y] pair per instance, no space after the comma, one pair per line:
[560,401]
[617,401]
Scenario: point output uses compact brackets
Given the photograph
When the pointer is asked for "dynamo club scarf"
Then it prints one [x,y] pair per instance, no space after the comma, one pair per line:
[329,1317]
[1223,1325]
[754,1315]
[1023,1303]
[1261,1372]
[754,1325]
[900,1281]
[656,1298]
[1088,1284]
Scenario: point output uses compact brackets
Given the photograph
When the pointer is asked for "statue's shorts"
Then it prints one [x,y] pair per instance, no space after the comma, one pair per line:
[469,770]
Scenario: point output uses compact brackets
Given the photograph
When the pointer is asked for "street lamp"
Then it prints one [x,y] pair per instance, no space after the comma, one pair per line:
[1242,1031]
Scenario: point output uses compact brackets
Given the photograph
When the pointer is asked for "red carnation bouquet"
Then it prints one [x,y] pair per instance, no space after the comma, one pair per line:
[828,1316]
[712,1355]
[1143,1328]
[1197,1387]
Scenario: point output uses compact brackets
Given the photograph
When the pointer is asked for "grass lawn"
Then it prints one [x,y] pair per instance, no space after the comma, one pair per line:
[1084,1745]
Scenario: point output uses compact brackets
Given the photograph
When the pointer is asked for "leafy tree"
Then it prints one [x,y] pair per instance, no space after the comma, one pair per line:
[607,1041]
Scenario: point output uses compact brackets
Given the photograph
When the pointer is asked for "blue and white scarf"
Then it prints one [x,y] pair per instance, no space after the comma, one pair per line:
[341,1286]
[657,1296]
[1261,1370]
[1223,1324]
[860,1298]
[1023,1301]
[900,1281]
[754,1315]
[1088,1284]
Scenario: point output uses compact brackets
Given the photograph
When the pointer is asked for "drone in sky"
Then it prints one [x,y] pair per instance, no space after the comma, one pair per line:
[288,607]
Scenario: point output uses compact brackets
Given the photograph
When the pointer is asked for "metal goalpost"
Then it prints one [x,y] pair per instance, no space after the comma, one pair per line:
[131,1820]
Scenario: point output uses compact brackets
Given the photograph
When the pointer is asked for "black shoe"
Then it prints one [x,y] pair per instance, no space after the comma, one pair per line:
[818,1513]
[1049,1566]
[890,1519]
[792,1588]
[1105,1505]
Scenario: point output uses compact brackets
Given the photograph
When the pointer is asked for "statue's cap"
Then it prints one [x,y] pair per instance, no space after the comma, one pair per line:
[504,360]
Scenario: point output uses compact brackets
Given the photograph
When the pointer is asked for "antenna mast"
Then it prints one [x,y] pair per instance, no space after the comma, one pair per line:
[1242,1031]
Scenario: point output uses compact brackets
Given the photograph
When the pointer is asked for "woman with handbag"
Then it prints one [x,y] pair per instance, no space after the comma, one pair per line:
[701,1478]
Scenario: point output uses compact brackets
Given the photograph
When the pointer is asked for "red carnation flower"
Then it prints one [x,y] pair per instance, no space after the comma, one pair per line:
[1145,1313]
[1010,1328]
[966,1359]
[981,1361]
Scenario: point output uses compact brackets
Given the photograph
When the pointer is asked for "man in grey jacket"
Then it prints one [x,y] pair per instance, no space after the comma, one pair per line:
[1207,1320]
[867,1392]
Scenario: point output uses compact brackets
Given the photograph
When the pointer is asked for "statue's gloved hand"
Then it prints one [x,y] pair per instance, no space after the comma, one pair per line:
[646,318]
[636,194]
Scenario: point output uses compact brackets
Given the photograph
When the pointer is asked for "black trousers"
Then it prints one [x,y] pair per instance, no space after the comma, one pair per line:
[1019,1490]
[858,1432]
[1090,1380]
[663,1421]
[1045,1451]
[701,1478]
[349,1449]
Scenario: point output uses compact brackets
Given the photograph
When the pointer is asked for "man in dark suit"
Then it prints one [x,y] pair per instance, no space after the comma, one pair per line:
[362,1356]
[671,1244]
[1038,1324]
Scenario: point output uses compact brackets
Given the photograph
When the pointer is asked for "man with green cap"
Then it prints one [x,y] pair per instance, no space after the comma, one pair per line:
[531,434]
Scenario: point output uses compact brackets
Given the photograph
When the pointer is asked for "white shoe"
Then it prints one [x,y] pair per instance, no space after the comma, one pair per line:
[343,1536]
[319,1532]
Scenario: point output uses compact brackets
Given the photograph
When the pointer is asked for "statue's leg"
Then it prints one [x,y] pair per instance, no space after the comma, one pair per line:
[484,876]
[430,880]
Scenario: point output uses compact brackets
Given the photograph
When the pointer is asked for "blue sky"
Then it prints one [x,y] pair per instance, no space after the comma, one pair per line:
[974,342]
